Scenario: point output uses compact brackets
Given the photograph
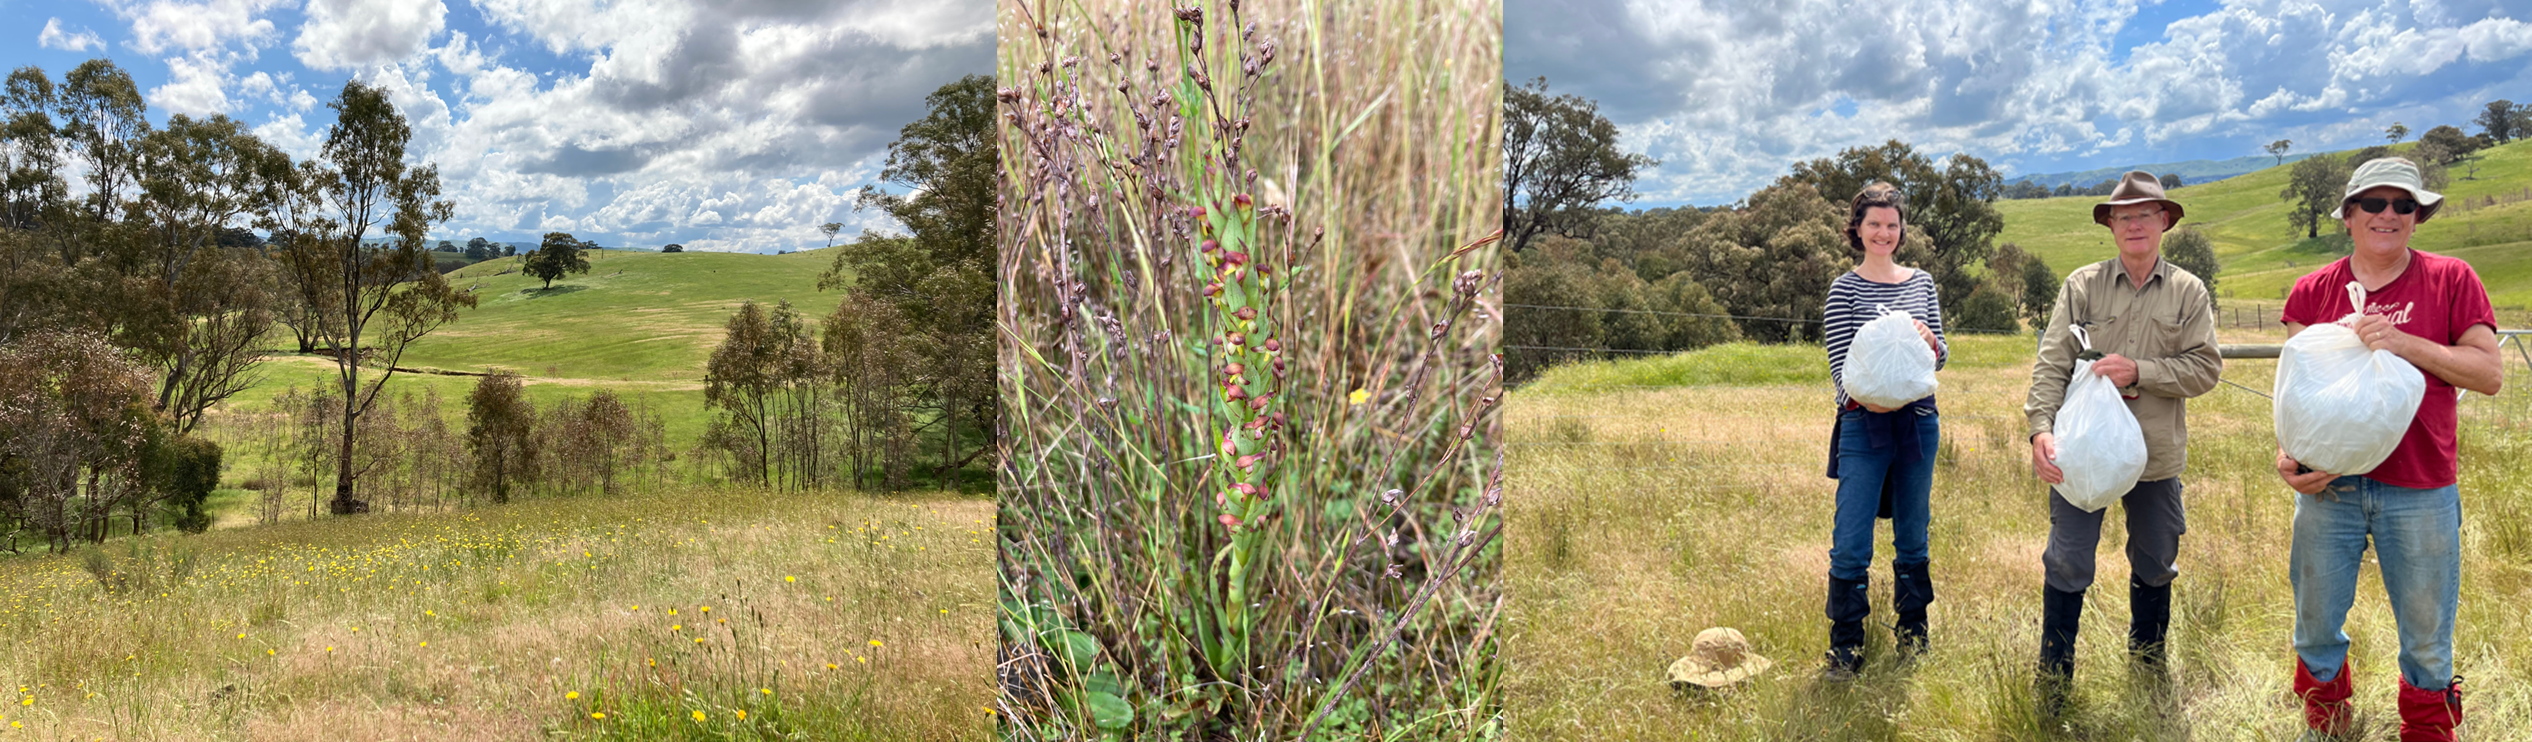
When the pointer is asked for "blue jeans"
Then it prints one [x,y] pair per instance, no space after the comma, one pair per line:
[2417,536]
[1861,470]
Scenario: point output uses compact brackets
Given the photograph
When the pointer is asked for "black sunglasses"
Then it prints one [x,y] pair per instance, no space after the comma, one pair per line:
[2401,206]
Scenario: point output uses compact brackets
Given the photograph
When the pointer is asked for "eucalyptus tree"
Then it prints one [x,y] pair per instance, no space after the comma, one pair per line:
[201,320]
[365,300]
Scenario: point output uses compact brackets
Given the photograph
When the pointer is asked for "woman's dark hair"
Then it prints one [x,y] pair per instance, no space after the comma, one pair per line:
[1878,195]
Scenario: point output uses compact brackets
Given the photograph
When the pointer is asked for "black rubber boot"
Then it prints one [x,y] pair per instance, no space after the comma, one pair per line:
[2150,621]
[1911,590]
[1849,603]
[2062,613]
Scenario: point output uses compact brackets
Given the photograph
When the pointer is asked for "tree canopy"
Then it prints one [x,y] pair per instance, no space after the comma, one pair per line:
[559,254]
[1560,162]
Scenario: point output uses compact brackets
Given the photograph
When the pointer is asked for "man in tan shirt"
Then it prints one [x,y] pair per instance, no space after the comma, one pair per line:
[2155,326]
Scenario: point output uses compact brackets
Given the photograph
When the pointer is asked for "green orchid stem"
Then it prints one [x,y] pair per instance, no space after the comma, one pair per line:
[1247,365]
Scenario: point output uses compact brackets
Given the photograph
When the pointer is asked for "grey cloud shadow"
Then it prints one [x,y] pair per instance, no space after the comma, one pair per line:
[1592,49]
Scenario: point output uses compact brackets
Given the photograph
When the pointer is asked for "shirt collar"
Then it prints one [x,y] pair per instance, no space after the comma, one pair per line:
[2162,270]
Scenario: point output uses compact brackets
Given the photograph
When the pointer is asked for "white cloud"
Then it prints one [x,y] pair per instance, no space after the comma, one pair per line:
[735,125]
[164,24]
[292,135]
[1730,94]
[194,86]
[343,34]
[53,37]
[2496,39]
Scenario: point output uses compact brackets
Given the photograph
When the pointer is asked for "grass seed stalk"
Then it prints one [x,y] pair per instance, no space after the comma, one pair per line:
[1248,317]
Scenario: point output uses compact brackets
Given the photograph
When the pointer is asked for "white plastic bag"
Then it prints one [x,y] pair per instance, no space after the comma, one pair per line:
[2340,407]
[1887,363]
[2099,446]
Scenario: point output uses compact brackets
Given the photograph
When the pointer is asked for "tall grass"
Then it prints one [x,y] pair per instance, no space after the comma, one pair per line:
[1246,279]
[777,617]
[1642,511]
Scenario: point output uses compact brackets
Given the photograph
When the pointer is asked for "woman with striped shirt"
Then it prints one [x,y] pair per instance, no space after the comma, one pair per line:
[1882,458]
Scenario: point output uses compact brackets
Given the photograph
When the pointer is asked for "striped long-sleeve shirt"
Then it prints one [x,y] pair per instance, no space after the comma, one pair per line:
[1855,300]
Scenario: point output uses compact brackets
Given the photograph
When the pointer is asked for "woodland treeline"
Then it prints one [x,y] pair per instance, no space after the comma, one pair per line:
[132,306]
[895,386]
[139,299]
[1588,278]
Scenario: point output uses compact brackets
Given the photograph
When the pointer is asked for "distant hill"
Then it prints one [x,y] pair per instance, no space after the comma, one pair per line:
[642,323]
[2486,220]
[2191,172]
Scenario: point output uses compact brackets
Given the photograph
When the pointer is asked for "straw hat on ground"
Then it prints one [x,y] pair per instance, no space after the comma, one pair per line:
[1720,657]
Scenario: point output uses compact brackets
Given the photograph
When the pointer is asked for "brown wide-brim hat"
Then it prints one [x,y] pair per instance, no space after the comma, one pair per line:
[2394,172]
[1719,657]
[2138,187]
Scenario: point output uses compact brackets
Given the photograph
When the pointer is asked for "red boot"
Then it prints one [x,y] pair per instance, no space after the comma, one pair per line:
[2430,715]
[2325,706]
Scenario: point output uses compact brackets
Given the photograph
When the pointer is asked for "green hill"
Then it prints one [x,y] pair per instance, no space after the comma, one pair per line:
[2262,256]
[639,323]
[2192,171]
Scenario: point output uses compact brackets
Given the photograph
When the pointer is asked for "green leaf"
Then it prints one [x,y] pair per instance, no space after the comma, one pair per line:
[1109,711]
[1079,650]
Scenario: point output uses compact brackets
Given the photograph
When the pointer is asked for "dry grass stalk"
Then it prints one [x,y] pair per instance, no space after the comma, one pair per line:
[1246,369]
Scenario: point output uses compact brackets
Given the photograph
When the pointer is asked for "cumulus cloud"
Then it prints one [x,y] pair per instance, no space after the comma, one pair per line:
[53,37]
[195,86]
[732,125]
[160,25]
[343,34]
[1729,94]
[744,120]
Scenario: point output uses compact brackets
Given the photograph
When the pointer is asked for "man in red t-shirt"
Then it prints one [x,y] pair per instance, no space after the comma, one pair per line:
[2431,311]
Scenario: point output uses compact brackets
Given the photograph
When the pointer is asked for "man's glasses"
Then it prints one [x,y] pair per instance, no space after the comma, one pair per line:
[2401,206]
[2130,220]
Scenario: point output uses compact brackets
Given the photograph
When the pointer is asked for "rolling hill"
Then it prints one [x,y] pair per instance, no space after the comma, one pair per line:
[2192,171]
[2486,220]
[640,323]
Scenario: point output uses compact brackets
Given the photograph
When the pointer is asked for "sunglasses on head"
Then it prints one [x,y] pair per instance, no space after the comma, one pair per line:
[2401,206]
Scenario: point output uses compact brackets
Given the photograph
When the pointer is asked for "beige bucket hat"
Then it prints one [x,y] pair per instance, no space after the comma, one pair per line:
[1719,657]
[2396,172]
[2137,187]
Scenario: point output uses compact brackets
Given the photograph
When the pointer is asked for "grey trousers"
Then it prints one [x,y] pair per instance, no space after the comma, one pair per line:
[2155,523]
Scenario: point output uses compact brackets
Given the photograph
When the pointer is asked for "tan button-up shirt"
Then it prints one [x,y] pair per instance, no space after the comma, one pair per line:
[2167,326]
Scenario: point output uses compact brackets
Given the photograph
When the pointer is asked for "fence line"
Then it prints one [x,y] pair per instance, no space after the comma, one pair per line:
[1730,316]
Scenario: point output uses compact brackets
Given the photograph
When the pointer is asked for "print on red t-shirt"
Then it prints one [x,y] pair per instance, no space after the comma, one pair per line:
[2436,298]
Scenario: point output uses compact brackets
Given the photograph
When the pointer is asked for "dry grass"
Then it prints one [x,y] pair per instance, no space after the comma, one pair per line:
[1639,515]
[481,624]
[1369,571]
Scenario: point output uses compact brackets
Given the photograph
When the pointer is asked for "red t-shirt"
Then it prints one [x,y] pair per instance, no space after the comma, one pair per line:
[2436,298]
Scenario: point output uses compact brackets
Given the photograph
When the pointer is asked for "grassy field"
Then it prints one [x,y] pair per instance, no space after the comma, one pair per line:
[641,324]
[687,615]
[1652,499]
[2262,256]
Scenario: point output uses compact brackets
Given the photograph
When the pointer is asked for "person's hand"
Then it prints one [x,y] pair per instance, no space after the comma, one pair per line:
[1930,343]
[2380,334]
[2044,459]
[2310,483]
[2120,369]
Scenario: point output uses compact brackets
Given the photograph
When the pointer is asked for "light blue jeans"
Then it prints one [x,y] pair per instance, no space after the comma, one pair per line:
[2417,536]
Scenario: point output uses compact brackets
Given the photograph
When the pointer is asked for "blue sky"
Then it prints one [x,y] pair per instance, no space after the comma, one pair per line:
[720,125]
[1730,94]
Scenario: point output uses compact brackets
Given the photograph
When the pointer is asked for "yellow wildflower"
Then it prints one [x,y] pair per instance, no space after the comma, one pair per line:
[699,716]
